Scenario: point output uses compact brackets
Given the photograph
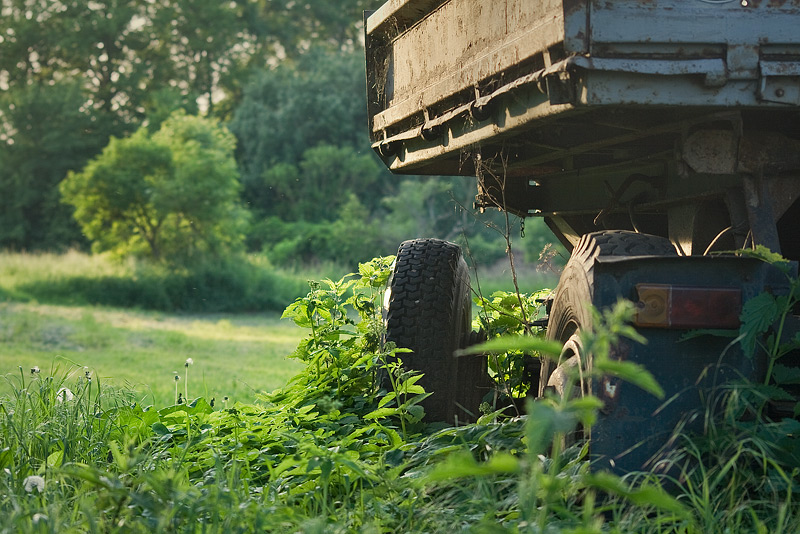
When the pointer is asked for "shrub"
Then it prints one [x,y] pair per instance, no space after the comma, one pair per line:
[237,284]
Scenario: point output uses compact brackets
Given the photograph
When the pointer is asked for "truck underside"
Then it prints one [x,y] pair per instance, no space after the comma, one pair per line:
[680,119]
[646,133]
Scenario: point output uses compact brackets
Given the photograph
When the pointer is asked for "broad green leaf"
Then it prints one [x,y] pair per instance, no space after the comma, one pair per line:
[305,409]
[55,459]
[540,427]
[394,437]
[642,496]
[394,457]
[786,375]
[326,466]
[355,467]
[386,399]
[446,450]
[585,404]
[630,372]
[758,314]
[160,429]
[514,343]
[773,392]
[381,413]
[415,413]
[766,255]
[462,465]
[412,389]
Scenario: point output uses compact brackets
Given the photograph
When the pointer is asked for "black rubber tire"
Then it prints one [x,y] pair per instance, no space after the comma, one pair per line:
[429,311]
[570,312]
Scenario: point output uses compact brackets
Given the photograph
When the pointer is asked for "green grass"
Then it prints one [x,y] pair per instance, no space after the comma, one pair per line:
[499,277]
[76,278]
[45,321]
[317,456]
[333,450]
[237,284]
[233,355]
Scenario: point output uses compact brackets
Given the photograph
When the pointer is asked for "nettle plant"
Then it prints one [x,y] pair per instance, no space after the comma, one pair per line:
[348,365]
[325,433]
[764,323]
[512,314]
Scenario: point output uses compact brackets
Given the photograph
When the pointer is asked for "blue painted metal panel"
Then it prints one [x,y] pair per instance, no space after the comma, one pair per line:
[633,426]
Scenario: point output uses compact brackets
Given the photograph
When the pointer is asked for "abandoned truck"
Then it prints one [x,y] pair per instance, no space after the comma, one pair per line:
[647,133]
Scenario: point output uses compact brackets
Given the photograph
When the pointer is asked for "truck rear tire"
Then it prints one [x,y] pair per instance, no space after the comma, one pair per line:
[571,312]
[429,310]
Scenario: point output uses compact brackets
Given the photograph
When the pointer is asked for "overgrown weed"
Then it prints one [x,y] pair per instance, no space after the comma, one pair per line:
[339,450]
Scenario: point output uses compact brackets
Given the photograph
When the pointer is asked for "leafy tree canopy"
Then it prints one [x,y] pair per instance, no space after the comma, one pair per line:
[44,134]
[77,73]
[317,99]
[172,195]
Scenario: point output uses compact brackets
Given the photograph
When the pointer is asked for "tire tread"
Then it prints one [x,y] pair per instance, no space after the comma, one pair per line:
[429,289]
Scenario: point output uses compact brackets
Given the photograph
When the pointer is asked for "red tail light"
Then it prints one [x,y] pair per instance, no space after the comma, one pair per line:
[667,306]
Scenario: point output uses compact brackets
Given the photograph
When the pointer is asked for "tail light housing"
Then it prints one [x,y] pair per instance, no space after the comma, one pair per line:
[668,306]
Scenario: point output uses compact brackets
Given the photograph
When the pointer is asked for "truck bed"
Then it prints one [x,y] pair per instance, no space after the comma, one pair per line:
[544,86]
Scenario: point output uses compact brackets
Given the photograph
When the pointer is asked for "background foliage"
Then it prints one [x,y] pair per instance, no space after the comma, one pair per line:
[287,78]
[336,450]
[172,195]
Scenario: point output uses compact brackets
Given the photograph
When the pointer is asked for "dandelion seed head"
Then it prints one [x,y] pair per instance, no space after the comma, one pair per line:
[177,377]
[35,370]
[33,481]
[189,362]
[64,395]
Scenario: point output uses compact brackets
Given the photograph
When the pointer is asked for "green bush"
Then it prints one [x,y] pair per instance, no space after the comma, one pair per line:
[337,451]
[231,286]
[239,284]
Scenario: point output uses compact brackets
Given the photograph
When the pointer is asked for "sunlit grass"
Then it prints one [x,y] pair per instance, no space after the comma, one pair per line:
[234,356]
[315,456]
[20,268]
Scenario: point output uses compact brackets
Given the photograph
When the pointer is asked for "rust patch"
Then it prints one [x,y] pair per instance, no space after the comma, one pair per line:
[610,388]
[782,3]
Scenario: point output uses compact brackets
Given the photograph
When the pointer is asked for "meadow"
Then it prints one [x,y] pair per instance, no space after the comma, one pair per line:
[52,317]
[233,356]
[332,449]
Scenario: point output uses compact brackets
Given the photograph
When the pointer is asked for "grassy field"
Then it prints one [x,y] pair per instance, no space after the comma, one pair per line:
[331,451]
[233,355]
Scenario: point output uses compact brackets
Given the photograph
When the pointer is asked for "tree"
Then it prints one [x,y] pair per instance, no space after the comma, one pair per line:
[307,211]
[318,186]
[36,152]
[318,99]
[172,195]
[105,67]
[74,74]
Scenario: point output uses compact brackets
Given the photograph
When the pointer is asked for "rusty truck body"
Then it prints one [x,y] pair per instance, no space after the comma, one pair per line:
[648,134]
